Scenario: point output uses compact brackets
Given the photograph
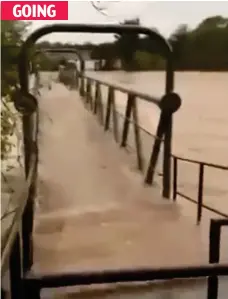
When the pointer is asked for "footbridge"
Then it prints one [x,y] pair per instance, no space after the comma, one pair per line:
[99,204]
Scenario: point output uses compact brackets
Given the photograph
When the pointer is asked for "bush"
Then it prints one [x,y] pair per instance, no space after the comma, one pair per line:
[11,36]
[147,61]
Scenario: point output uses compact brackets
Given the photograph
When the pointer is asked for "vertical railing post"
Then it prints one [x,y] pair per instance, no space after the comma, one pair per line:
[115,119]
[76,80]
[109,106]
[88,91]
[175,176]
[99,104]
[214,256]
[28,215]
[137,133]
[31,289]
[167,156]
[27,230]
[3,294]
[149,179]
[215,238]
[169,104]
[200,193]
[91,102]
[82,87]
[30,133]
[16,270]
[96,98]
[127,120]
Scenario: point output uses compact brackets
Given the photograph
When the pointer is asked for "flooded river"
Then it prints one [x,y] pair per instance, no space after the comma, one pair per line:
[200,132]
[200,126]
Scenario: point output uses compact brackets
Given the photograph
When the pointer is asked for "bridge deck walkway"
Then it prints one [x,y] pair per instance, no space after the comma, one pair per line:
[93,211]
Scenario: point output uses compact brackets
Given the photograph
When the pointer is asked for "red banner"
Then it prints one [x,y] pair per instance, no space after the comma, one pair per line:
[34,10]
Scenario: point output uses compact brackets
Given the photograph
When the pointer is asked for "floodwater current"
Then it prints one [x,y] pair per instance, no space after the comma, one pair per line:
[200,125]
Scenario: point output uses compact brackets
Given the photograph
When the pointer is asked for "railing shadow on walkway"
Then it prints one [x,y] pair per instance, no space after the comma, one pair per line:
[17,249]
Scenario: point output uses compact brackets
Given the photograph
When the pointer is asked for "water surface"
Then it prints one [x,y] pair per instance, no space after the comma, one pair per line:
[200,125]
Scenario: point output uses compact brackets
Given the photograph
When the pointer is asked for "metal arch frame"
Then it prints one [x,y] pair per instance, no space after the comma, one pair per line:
[165,126]
[28,285]
[118,29]
[166,52]
[64,50]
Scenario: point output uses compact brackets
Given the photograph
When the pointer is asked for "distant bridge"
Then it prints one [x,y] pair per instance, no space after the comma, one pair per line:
[86,55]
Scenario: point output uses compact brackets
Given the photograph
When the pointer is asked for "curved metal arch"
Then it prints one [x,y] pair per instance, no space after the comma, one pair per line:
[166,50]
[65,50]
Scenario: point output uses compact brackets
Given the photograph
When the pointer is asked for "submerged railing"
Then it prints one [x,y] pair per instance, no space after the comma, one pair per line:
[91,89]
[35,282]
[200,190]
[167,104]
[17,250]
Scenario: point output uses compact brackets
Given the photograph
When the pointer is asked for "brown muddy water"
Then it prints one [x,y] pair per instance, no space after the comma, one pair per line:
[200,125]
[201,133]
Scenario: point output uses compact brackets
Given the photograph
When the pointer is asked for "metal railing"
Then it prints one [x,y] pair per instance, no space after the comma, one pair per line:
[214,254]
[167,104]
[34,283]
[200,190]
[18,249]
[95,101]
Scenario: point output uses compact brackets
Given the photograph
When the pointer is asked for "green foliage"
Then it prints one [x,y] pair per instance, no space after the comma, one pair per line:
[8,126]
[147,61]
[45,63]
[204,48]
[11,38]
[107,52]
[126,45]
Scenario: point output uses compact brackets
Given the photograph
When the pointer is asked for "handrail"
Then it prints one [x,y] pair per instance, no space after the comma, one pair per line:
[96,101]
[168,104]
[55,280]
[165,47]
[21,197]
[213,165]
[200,195]
[34,283]
[16,246]
[143,96]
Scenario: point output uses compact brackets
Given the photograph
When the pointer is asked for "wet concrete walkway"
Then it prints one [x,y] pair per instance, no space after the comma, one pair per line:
[93,210]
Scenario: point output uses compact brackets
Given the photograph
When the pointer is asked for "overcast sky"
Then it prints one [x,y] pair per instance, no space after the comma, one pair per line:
[165,16]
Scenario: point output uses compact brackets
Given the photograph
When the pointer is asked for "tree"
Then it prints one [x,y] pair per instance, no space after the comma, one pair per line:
[203,48]
[212,23]
[126,45]
[11,36]
[179,42]
[209,45]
